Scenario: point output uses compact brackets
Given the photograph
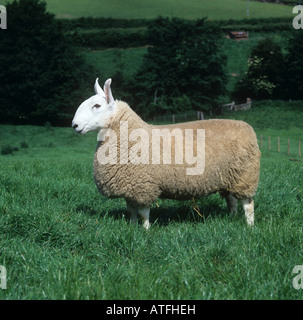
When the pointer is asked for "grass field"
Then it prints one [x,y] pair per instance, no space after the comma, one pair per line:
[61,240]
[190,9]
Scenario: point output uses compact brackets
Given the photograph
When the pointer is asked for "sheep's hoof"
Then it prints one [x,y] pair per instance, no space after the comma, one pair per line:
[146,224]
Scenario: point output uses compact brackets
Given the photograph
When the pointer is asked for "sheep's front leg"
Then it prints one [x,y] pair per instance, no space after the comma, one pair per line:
[133,213]
[248,206]
[144,213]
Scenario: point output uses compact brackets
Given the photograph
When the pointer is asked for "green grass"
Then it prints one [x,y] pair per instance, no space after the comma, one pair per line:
[60,239]
[190,9]
[193,9]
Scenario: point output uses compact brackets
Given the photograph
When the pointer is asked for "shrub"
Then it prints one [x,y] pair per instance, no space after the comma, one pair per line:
[102,23]
[23,145]
[264,75]
[109,39]
[8,149]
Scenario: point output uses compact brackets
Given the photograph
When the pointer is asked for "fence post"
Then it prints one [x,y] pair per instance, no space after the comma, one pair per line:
[155,96]
[173,118]
[278,144]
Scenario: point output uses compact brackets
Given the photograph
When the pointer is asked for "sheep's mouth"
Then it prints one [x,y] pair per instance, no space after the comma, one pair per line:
[79,131]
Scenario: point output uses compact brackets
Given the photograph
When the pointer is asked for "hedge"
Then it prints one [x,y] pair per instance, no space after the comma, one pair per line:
[109,39]
[102,23]
[121,33]
[106,23]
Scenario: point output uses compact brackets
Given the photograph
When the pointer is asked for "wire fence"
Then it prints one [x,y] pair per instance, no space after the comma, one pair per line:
[200,115]
[280,145]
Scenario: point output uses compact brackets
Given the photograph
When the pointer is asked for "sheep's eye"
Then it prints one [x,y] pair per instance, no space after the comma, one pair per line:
[96,106]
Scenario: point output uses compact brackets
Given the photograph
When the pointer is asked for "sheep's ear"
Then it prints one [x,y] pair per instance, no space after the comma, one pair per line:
[98,89]
[108,93]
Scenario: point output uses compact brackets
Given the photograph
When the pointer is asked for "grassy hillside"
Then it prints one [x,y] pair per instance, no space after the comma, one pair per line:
[60,239]
[190,9]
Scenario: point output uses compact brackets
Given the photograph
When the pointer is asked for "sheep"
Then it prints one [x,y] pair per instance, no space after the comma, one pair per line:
[225,155]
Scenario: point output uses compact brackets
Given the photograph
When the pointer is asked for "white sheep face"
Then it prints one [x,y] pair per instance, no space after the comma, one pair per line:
[94,113]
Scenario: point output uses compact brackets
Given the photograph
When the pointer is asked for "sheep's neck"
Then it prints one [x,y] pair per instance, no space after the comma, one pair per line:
[125,115]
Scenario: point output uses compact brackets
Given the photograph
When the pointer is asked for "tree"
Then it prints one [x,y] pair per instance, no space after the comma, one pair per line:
[293,71]
[41,75]
[183,69]
[264,75]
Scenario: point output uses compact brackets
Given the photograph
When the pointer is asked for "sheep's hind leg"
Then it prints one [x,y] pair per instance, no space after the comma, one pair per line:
[144,213]
[232,203]
[248,205]
[133,213]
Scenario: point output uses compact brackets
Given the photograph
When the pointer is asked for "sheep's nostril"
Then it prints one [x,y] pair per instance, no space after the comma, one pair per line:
[74,126]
